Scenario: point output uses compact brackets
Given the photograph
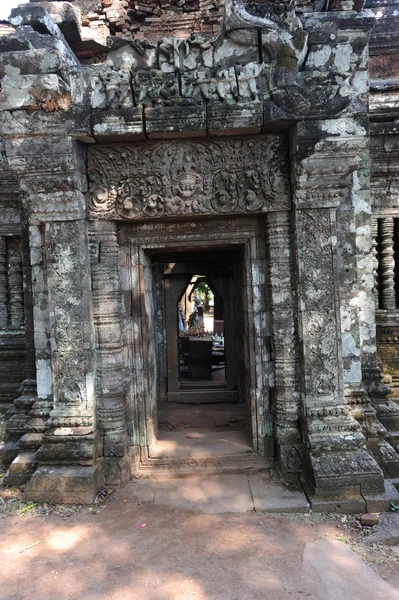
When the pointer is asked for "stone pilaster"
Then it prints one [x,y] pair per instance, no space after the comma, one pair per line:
[374,233]
[15,289]
[287,396]
[337,460]
[3,283]
[354,256]
[63,323]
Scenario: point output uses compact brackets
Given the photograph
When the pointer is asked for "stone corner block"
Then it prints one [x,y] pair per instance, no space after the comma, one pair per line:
[35,92]
[64,484]
[118,125]
[381,502]
[234,119]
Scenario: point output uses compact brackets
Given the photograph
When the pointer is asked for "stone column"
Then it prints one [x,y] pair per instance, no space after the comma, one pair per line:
[287,396]
[111,379]
[374,233]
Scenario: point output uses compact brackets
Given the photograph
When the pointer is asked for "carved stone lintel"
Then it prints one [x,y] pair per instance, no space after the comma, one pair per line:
[168,179]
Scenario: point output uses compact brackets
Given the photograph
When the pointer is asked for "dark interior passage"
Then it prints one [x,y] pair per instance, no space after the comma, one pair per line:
[201,412]
[202,324]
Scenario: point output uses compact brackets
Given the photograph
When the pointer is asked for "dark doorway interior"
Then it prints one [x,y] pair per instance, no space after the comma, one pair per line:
[202,325]
[201,399]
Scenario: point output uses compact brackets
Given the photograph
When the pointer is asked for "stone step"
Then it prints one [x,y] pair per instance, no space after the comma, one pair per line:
[21,469]
[31,442]
[207,465]
[382,502]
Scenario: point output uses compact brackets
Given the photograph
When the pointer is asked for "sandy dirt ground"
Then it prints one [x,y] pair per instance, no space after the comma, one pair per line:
[125,549]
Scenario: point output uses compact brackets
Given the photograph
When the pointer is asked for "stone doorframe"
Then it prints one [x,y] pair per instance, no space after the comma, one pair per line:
[271,388]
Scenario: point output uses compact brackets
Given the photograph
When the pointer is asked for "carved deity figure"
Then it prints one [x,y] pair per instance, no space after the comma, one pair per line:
[247,81]
[189,181]
[117,88]
[196,52]
[224,192]
[226,86]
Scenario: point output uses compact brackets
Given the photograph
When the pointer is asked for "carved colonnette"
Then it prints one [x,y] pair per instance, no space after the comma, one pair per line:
[110,371]
[287,394]
[259,368]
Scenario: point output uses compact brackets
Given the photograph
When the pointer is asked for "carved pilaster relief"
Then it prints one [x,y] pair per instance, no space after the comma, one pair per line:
[15,287]
[317,287]
[70,427]
[166,179]
[66,320]
[328,418]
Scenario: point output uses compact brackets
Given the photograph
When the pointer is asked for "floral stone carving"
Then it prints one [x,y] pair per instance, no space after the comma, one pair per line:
[161,179]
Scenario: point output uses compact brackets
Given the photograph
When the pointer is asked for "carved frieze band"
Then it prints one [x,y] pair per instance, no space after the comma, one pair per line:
[166,179]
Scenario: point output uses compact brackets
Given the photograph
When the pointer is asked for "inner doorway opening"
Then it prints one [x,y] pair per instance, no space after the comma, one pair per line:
[202,410]
[202,352]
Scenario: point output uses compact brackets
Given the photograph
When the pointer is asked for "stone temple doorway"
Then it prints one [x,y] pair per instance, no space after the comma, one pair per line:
[159,263]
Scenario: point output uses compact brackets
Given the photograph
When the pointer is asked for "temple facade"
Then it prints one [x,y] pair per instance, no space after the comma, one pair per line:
[260,137]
